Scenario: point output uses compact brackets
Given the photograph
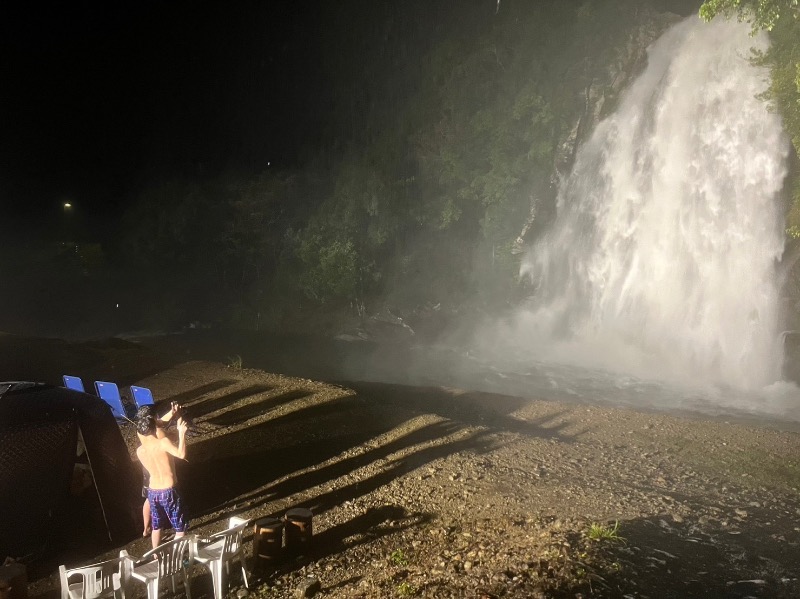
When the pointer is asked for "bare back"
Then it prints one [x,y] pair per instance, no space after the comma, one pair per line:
[155,456]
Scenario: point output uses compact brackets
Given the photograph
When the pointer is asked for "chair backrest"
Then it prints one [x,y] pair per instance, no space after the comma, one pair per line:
[242,524]
[109,392]
[98,580]
[74,382]
[142,396]
[232,544]
[230,538]
[236,520]
[125,571]
[172,556]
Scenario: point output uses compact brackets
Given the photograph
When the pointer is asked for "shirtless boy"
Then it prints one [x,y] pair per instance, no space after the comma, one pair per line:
[155,455]
[161,422]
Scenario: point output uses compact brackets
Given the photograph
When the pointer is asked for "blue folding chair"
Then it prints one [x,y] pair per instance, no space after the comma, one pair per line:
[74,382]
[142,396]
[109,392]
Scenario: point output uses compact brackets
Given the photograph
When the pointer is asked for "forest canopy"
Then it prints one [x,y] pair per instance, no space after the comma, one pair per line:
[446,130]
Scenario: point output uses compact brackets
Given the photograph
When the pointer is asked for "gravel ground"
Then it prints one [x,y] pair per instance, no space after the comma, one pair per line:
[437,492]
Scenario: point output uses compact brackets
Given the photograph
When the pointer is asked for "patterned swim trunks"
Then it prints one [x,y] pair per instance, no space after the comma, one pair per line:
[166,508]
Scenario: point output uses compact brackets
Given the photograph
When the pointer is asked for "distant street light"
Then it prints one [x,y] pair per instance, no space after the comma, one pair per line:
[67,224]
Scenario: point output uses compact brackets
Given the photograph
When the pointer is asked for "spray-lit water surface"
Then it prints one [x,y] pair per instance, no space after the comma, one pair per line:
[656,285]
[571,383]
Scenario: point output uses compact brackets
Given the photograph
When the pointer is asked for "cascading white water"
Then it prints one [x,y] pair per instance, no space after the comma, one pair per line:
[662,258]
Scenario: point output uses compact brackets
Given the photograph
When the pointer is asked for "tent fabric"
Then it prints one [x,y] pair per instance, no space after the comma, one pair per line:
[40,426]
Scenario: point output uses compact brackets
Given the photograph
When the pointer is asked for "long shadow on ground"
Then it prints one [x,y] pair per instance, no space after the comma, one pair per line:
[309,437]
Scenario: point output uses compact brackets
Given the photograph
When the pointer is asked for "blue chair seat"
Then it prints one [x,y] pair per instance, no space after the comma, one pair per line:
[142,396]
[74,382]
[109,392]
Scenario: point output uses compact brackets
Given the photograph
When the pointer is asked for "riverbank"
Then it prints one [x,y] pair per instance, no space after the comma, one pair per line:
[439,492]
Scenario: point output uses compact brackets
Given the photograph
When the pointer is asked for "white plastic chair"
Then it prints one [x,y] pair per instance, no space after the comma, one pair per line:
[165,561]
[109,578]
[218,551]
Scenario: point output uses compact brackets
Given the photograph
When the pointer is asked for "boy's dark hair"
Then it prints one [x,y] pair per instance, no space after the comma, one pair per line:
[145,420]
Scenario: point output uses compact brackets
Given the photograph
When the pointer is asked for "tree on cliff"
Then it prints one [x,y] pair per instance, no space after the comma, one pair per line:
[762,14]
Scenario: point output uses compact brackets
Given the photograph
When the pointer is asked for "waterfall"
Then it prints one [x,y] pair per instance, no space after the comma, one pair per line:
[661,261]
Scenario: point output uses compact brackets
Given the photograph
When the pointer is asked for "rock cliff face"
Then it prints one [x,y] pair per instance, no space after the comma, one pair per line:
[597,99]
[610,80]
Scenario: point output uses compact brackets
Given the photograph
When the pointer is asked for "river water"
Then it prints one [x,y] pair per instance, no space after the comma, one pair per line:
[455,365]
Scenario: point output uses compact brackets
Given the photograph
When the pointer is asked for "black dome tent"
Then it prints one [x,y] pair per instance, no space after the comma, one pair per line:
[66,476]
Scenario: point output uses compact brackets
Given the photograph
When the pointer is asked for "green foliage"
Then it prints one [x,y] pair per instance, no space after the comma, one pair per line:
[398,558]
[601,532]
[793,216]
[762,14]
[331,266]
[406,589]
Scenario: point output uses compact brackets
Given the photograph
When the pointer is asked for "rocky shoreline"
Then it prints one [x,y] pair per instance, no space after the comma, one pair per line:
[605,503]
[438,492]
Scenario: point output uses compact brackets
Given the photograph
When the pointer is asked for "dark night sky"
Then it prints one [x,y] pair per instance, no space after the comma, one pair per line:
[101,98]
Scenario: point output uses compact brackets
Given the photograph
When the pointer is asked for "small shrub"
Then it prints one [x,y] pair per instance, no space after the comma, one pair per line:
[601,532]
[235,362]
[406,589]
[398,558]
